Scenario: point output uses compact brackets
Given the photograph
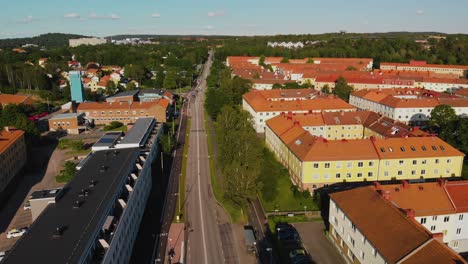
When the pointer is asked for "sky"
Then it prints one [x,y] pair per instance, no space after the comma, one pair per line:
[25,18]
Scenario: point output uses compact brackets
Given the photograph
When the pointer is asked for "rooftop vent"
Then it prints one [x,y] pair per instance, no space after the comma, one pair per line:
[83,192]
[421,187]
[92,183]
[77,204]
[116,152]
[298,142]
[58,232]
[102,168]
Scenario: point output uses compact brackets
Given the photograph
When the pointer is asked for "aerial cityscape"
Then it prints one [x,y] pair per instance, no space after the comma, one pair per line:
[239,132]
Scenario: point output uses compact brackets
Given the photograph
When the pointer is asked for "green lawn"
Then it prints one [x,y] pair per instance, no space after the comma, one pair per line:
[277,192]
[122,128]
[236,213]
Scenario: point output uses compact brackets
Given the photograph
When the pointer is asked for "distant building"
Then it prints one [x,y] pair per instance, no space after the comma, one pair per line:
[98,216]
[366,227]
[72,123]
[13,155]
[76,86]
[87,41]
[413,65]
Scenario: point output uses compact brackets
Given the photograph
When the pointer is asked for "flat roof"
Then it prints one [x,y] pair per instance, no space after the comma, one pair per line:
[138,131]
[126,93]
[79,225]
[67,115]
[108,139]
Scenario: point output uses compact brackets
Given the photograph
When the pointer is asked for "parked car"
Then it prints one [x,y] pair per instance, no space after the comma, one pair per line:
[250,240]
[297,252]
[27,205]
[16,233]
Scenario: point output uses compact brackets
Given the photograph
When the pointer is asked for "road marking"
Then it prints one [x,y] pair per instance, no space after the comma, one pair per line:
[199,188]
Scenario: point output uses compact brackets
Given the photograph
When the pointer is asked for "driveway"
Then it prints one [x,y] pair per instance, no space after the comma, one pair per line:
[317,244]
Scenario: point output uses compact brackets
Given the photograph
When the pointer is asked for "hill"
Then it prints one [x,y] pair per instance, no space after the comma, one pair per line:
[44,40]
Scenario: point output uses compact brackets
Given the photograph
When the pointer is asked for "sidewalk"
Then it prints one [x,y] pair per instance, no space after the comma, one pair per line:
[175,243]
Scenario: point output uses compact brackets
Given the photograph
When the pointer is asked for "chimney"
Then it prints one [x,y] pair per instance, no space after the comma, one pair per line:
[410,213]
[442,182]
[439,237]
[384,194]
[405,184]
[377,186]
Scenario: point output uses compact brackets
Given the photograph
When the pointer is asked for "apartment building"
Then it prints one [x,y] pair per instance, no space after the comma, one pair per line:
[406,105]
[367,228]
[97,219]
[263,105]
[125,112]
[314,161]
[13,154]
[423,66]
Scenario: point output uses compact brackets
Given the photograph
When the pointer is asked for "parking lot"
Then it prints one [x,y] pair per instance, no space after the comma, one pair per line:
[320,248]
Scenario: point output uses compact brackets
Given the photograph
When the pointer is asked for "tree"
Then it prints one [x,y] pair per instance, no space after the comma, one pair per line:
[170,81]
[111,88]
[326,89]
[215,100]
[135,72]
[67,173]
[261,60]
[285,60]
[277,86]
[310,60]
[131,86]
[351,68]
[342,89]
[441,116]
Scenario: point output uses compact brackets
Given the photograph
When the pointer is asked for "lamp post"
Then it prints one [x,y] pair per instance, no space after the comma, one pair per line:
[305,208]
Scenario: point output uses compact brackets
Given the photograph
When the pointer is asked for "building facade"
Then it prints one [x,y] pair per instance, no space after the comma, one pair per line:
[72,123]
[13,155]
[86,41]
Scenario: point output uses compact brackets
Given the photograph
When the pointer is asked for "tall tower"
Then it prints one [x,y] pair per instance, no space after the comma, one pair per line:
[76,86]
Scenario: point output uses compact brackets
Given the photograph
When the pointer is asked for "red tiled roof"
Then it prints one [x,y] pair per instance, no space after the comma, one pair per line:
[6,99]
[8,138]
[458,191]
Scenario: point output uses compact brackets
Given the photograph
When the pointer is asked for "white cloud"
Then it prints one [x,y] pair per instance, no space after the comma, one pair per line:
[209,27]
[72,15]
[156,15]
[111,16]
[419,12]
[26,20]
[216,13]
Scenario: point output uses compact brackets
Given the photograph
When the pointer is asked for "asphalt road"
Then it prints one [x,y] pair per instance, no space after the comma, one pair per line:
[204,244]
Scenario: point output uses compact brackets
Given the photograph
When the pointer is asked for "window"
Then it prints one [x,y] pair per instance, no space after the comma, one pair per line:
[348,175]
[455,244]
[327,165]
[118,112]
[413,172]
[370,174]
[413,148]
[110,112]
[326,176]
[353,227]
[423,172]
[382,149]
[387,163]
[415,162]
[359,174]
[338,175]
[458,231]
[434,218]
[437,161]
[371,163]
[385,173]
[446,218]
[423,148]
[315,176]
[402,149]
[460,217]
[390,149]
[103,113]
[400,173]
[349,165]
[433,228]
[441,147]
[449,161]
[362,254]
[423,162]
[360,164]
[316,165]
[401,162]
[338,164]
[374,252]
[434,147]
[423,220]
[436,171]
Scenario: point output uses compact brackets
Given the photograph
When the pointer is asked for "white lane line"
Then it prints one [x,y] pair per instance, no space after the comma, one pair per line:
[199,188]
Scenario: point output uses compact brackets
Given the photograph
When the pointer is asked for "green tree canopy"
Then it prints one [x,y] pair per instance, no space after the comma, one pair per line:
[342,89]
[170,81]
[441,116]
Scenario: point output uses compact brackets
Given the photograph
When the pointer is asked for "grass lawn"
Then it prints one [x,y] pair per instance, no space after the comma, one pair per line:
[274,175]
[122,128]
[183,172]
[236,213]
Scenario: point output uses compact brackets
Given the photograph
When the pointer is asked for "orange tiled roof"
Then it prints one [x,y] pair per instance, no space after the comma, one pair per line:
[392,233]
[414,147]
[8,138]
[459,195]
[434,252]
[425,199]
[462,92]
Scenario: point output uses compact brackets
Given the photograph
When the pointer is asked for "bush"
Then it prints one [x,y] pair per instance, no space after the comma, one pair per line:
[113,125]
[67,173]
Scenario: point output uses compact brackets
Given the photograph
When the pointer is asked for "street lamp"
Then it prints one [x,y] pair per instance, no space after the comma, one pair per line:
[305,208]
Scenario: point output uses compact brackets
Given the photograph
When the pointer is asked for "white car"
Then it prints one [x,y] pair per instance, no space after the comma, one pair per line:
[27,205]
[15,233]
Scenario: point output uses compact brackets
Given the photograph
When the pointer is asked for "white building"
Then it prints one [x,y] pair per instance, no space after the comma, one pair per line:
[86,41]
[263,105]
[367,228]
[406,105]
